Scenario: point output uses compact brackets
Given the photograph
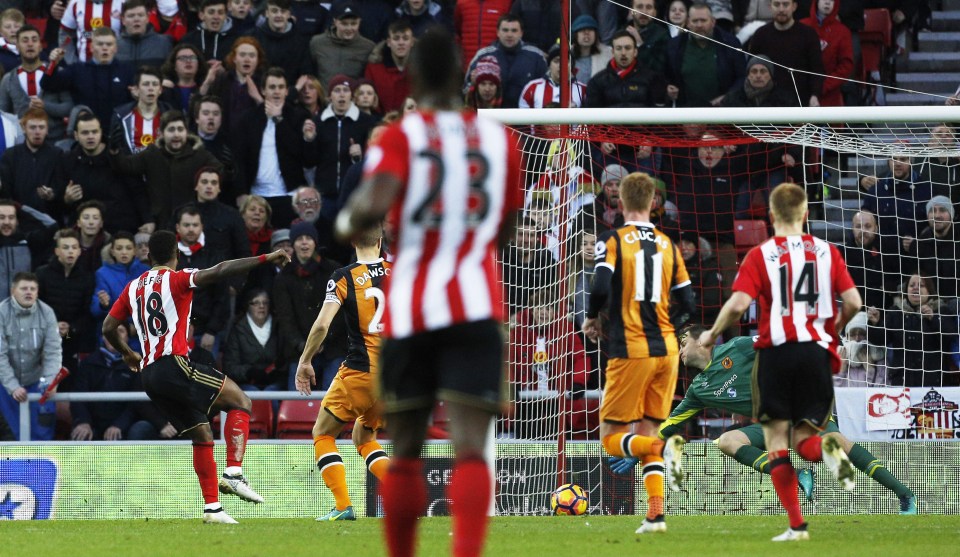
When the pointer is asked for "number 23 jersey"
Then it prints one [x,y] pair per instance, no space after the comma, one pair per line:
[358,290]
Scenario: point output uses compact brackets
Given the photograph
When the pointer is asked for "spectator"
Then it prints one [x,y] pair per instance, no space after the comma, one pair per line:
[650,35]
[791,46]
[541,21]
[898,198]
[582,248]
[936,247]
[367,100]
[29,356]
[339,141]
[298,293]
[386,67]
[256,213]
[916,330]
[626,81]
[312,18]
[169,166]
[375,16]
[283,45]
[142,242]
[861,363]
[723,12]
[271,147]
[183,72]
[66,288]
[167,18]
[307,204]
[836,48]
[101,83]
[135,126]
[11,20]
[17,94]
[943,172]
[485,89]
[250,356]
[677,13]
[90,177]
[139,45]
[20,247]
[590,55]
[92,236]
[79,25]
[223,227]
[235,82]
[705,278]
[262,278]
[208,118]
[519,62]
[32,173]
[422,14]
[211,304]
[565,180]
[10,132]
[873,260]
[241,13]
[120,267]
[606,207]
[476,24]
[342,49]
[527,265]
[759,87]
[312,96]
[545,91]
[215,33]
[702,70]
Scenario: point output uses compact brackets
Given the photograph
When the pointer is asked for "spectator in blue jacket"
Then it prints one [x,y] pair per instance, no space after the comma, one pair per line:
[520,63]
[121,267]
[898,198]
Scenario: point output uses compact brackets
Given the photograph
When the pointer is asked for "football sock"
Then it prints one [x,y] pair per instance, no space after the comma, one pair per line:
[206,468]
[785,483]
[375,458]
[758,459]
[470,491]
[629,444]
[653,482]
[330,464]
[236,429]
[869,465]
[811,448]
[404,495]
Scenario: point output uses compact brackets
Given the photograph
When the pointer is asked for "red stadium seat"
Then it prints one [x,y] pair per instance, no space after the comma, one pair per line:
[437,428]
[296,419]
[875,39]
[749,233]
[261,421]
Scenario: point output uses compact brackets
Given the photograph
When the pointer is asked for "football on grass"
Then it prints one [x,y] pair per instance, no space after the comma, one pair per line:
[568,499]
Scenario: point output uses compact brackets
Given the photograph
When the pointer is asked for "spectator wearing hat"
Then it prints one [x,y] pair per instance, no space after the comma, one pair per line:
[650,35]
[342,49]
[545,91]
[519,62]
[386,67]
[298,294]
[759,87]
[590,55]
[375,16]
[339,141]
[421,14]
[936,247]
[607,205]
[792,46]
[282,43]
[703,66]
[836,46]
[485,88]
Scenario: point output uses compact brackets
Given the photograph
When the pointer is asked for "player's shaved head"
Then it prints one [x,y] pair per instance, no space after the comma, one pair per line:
[788,203]
[370,238]
[163,247]
[435,71]
[636,192]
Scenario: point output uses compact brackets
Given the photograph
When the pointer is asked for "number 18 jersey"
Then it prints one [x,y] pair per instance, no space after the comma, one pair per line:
[461,178]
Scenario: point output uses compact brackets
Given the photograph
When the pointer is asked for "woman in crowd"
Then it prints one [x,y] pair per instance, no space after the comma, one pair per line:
[183,72]
[237,81]
[92,235]
[485,90]
[366,98]
[256,214]
[250,355]
[311,95]
[677,16]
[589,54]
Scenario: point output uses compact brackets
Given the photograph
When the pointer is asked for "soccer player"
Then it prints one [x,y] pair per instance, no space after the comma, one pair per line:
[637,269]
[795,278]
[725,383]
[352,395]
[160,302]
[451,182]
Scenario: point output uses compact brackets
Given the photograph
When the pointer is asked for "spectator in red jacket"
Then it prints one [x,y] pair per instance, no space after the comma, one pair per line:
[475,22]
[836,48]
[386,67]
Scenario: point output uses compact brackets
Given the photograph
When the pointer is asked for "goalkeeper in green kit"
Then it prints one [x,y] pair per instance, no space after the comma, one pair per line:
[725,383]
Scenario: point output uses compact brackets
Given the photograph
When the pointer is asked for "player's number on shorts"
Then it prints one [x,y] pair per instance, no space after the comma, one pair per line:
[155,322]
[805,290]
[375,326]
[649,292]
[430,212]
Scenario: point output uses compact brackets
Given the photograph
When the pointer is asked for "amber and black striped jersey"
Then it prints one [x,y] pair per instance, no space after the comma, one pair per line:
[358,289]
[642,267]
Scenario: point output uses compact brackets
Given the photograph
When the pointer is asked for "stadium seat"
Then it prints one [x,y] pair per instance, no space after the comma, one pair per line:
[749,233]
[261,421]
[875,38]
[296,418]
[437,428]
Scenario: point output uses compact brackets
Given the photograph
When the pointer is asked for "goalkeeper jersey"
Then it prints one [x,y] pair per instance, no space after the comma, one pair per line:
[725,384]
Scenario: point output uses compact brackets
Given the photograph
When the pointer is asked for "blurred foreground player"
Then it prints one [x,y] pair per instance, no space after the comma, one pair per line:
[160,301]
[451,182]
[795,278]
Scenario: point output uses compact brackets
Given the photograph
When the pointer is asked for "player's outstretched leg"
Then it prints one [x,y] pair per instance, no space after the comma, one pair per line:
[673,461]
[864,461]
[807,481]
[745,446]
[236,431]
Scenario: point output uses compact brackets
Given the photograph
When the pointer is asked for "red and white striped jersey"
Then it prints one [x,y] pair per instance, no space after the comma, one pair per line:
[540,93]
[30,80]
[796,281]
[461,177]
[160,303]
[85,16]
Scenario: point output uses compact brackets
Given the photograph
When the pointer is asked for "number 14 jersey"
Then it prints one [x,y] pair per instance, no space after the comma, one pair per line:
[358,290]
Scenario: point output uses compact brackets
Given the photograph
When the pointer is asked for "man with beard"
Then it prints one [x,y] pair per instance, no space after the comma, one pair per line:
[872,260]
[626,81]
[792,46]
[898,198]
[651,36]
[21,88]
[32,173]
[211,304]
[936,247]
[307,204]
[19,248]
[607,205]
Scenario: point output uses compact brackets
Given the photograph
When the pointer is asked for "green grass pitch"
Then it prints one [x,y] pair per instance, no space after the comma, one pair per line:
[594,536]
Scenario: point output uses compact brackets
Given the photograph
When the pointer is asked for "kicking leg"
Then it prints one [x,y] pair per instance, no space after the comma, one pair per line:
[864,461]
[236,431]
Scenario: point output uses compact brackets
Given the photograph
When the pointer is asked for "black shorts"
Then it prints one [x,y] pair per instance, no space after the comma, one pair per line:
[183,390]
[461,363]
[793,382]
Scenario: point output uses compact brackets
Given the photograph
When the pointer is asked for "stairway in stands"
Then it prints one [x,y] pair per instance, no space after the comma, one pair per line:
[935,66]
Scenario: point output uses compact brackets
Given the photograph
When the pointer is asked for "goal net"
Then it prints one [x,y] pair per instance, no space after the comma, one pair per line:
[882,184]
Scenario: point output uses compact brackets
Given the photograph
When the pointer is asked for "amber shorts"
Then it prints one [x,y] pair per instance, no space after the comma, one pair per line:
[638,388]
[353,395]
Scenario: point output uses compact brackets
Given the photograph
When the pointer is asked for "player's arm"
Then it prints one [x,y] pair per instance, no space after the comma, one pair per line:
[729,314]
[235,267]
[599,293]
[306,376]
[368,205]
[109,329]
[850,305]
[689,407]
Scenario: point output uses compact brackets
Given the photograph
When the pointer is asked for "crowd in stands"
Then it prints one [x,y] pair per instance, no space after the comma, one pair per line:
[243,125]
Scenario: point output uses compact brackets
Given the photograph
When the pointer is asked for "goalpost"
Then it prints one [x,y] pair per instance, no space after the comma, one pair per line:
[715,168]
